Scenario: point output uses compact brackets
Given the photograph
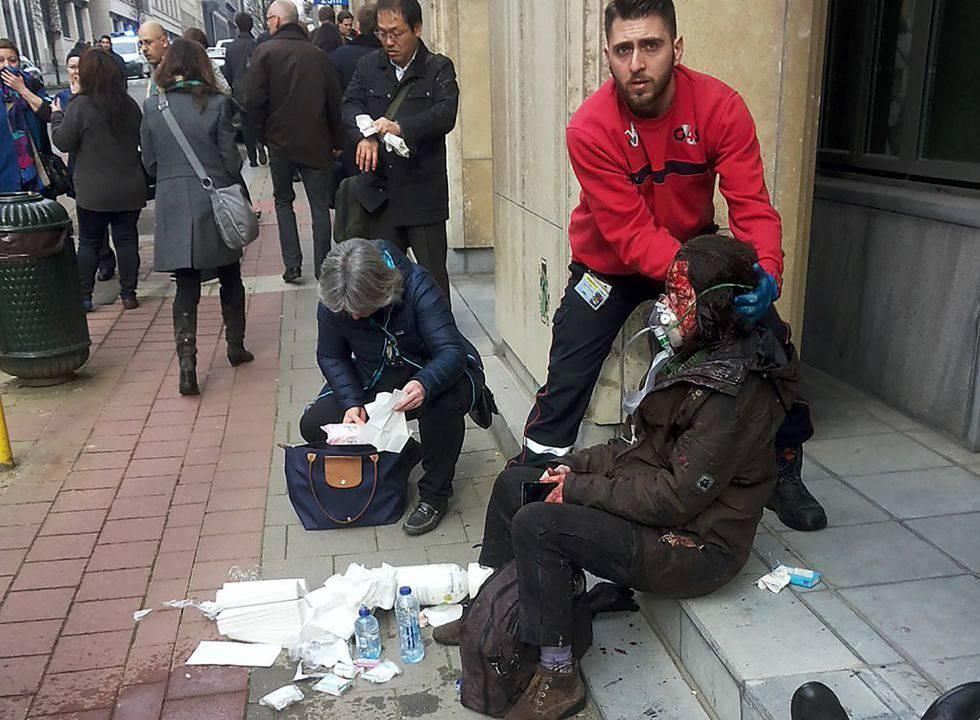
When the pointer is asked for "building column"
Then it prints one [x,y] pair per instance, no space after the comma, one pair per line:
[72,29]
[87,24]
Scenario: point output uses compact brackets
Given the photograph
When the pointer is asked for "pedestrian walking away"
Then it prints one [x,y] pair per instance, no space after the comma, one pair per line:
[186,239]
[327,36]
[417,186]
[100,129]
[197,35]
[647,148]
[237,57]
[293,101]
[385,325]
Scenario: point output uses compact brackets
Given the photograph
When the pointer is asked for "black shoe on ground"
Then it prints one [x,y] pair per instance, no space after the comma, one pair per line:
[106,273]
[447,634]
[252,163]
[816,701]
[790,500]
[129,302]
[292,275]
[424,518]
[960,703]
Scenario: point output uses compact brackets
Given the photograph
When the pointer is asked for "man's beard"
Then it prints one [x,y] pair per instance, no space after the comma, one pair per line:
[646,105]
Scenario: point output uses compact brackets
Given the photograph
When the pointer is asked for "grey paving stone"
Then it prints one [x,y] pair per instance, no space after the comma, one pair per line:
[473,520]
[871,454]
[950,673]
[460,553]
[773,695]
[466,495]
[479,439]
[709,673]
[761,634]
[956,535]
[392,537]
[945,445]
[923,493]
[612,676]
[402,556]
[665,615]
[927,619]
[263,681]
[812,470]
[274,543]
[869,554]
[772,550]
[842,419]
[915,691]
[259,712]
[863,640]
[302,543]
[314,570]
[279,511]
[480,464]
[844,506]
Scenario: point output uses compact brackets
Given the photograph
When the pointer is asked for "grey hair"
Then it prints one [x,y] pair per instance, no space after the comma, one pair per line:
[285,11]
[356,279]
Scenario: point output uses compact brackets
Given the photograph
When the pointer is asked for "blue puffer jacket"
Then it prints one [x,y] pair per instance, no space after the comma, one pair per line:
[421,328]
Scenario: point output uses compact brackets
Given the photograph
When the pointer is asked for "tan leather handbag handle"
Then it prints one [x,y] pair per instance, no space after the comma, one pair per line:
[310,457]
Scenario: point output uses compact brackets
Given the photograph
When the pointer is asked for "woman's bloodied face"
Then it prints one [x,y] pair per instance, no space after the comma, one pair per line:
[682,299]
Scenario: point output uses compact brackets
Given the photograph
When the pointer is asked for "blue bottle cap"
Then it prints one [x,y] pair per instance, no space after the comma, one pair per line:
[404,590]
[364,612]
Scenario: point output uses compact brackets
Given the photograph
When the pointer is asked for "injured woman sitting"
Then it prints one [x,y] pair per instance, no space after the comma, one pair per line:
[674,512]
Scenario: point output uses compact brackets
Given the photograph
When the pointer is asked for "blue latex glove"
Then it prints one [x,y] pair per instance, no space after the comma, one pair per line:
[754,305]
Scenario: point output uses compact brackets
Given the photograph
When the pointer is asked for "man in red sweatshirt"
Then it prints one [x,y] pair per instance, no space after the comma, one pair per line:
[647,148]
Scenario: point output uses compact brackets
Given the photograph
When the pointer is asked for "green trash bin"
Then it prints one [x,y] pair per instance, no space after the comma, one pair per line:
[43,331]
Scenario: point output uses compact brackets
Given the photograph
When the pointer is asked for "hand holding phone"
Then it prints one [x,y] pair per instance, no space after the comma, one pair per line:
[536,491]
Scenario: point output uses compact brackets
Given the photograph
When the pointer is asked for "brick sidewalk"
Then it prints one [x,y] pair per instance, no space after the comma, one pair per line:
[127,494]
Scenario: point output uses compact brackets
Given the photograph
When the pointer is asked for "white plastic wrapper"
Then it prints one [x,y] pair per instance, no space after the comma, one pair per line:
[341,433]
[333,685]
[476,575]
[442,584]
[774,581]
[382,673]
[439,615]
[282,698]
[348,672]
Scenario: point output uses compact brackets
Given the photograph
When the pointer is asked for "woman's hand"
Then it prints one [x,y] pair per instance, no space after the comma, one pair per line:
[356,416]
[14,81]
[56,105]
[414,396]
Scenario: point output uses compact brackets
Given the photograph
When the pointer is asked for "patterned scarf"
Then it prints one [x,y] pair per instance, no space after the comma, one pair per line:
[18,120]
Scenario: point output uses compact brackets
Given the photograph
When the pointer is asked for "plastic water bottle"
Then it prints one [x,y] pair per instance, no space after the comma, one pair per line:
[367,635]
[409,633]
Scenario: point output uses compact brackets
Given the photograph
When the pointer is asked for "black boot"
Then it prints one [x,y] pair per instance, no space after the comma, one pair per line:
[960,703]
[816,701]
[233,313]
[185,337]
[791,501]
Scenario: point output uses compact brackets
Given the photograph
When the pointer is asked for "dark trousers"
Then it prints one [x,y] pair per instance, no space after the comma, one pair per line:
[248,137]
[319,191]
[189,286]
[92,228]
[442,425]
[107,258]
[428,243]
[549,542]
[580,341]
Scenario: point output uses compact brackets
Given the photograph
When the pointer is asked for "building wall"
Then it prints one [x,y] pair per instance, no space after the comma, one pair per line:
[546,58]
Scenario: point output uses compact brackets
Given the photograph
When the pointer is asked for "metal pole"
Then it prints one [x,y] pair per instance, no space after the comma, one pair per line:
[6,456]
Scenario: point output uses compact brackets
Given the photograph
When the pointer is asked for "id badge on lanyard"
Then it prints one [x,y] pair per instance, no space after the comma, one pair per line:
[593,290]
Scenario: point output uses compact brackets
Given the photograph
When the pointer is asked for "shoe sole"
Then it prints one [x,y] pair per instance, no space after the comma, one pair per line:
[416,531]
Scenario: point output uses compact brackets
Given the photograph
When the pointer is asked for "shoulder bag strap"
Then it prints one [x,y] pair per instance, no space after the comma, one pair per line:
[164,106]
[396,101]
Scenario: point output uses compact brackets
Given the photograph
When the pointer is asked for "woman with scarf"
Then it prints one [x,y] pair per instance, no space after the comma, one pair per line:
[100,130]
[25,109]
[186,239]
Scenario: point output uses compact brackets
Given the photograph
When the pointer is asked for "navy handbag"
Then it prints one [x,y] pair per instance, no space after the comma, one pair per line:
[338,486]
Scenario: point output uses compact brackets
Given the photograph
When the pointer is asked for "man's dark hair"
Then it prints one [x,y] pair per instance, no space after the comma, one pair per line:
[633,9]
[326,14]
[106,37]
[196,35]
[344,15]
[410,10]
[244,22]
[718,260]
[367,19]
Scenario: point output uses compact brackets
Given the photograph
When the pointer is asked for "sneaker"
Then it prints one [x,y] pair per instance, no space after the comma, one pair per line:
[292,275]
[551,695]
[448,634]
[424,518]
[790,500]
[130,303]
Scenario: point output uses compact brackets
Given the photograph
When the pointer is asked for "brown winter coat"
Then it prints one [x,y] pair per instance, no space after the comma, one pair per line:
[695,482]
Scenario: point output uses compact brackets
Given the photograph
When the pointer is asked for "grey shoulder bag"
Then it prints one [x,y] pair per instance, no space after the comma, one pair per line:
[233,213]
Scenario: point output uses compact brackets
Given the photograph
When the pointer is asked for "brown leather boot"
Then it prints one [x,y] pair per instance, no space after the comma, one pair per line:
[551,695]
[447,634]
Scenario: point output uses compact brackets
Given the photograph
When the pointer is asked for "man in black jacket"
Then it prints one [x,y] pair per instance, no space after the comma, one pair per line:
[345,58]
[105,42]
[327,36]
[293,101]
[417,186]
[237,57]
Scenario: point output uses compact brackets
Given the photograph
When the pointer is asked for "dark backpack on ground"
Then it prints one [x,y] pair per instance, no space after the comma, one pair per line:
[497,664]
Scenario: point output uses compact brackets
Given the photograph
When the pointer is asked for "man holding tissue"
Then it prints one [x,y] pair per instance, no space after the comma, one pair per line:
[384,325]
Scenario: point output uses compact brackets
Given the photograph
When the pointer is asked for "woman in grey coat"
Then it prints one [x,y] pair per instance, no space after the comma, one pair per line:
[186,239]
[101,131]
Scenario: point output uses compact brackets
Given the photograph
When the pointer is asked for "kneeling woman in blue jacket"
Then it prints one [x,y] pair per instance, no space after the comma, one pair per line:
[384,324]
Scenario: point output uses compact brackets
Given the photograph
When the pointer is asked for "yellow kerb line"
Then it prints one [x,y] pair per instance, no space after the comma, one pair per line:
[6,456]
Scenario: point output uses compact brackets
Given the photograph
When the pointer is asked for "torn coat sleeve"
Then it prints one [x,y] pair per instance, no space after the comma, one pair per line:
[701,466]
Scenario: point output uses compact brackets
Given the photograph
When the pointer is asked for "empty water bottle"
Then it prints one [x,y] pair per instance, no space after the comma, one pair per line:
[367,635]
[409,633]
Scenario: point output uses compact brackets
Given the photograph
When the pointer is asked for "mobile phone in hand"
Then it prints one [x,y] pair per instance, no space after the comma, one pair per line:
[535,491]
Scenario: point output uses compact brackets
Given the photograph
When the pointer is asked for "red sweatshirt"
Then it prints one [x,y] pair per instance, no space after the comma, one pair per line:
[640,201]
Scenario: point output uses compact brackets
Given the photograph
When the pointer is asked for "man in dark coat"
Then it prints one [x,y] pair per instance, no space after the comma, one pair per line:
[105,42]
[345,58]
[384,325]
[237,57]
[417,186]
[327,36]
[293,101]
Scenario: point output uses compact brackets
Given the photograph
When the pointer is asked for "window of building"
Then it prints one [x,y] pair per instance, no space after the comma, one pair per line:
[79,24]
[63,11]
[902,90]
